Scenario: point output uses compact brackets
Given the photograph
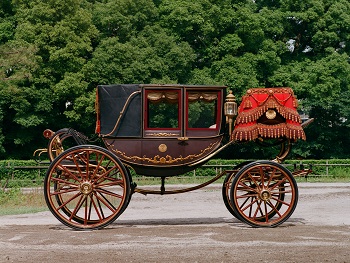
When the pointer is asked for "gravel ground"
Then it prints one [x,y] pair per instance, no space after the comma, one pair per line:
[189,227]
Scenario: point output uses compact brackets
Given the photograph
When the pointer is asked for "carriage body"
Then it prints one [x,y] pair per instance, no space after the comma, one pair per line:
[161,130]
[166,130]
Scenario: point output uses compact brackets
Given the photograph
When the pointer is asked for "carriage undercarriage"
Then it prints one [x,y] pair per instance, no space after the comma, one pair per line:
[89,187]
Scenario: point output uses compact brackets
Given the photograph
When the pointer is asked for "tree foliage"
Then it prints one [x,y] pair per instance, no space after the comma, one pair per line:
[53,53]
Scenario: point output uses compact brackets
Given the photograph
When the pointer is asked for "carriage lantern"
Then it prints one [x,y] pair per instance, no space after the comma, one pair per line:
[230,109]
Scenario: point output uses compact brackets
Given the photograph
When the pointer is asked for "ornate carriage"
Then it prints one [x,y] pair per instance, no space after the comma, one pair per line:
[167,130]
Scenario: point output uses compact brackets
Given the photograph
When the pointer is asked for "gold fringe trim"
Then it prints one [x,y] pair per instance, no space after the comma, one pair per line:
[252,132]
[254,114]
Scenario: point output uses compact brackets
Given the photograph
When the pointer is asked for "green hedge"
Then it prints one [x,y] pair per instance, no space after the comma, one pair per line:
[12,176]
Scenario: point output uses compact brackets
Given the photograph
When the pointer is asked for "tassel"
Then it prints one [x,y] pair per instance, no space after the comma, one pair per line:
[248,104]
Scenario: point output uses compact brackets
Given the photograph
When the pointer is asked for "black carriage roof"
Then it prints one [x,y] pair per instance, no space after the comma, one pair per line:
[118,107]
[119,87]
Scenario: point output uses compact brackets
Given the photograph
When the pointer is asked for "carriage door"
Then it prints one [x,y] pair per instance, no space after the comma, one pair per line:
[202,121]
[203,112]
[163,125]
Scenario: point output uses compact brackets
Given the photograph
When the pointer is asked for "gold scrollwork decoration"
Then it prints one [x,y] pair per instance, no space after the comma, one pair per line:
[162,134]
[159,159]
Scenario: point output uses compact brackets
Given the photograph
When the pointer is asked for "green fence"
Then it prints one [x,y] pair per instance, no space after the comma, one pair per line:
[30,173]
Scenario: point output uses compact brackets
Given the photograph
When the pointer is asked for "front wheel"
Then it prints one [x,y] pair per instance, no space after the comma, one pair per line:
[87,187]
[264,194]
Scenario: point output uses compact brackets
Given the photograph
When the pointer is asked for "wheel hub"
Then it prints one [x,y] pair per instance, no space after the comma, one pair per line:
[86,188]
[265,195]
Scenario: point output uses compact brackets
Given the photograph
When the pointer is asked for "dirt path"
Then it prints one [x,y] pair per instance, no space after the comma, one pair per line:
[190,227]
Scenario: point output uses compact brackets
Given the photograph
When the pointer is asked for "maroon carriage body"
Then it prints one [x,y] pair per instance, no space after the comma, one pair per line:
[161,130]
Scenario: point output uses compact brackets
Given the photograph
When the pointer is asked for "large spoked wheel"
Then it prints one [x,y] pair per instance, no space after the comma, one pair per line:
[87,187]
[264,194]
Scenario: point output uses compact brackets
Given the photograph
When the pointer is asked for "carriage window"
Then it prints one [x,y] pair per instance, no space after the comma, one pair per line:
[202,109]
[162,109]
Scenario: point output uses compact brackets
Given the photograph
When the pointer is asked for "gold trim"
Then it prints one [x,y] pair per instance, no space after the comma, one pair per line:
[271,114]
[161,160]
[252,132]
[162,134]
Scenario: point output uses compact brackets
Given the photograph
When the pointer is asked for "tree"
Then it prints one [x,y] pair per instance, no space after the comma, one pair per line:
[317,67]
[149,57]
[56,37]
[53,54]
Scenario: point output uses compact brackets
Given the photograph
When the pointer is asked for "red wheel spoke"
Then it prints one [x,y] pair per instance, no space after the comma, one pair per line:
[252,178]
[271,176]
[77,207]
[282,192]
[108,201]
[65,191]
[262,176]
[245,195]
[258,209]
[274,208]
[60,180]
[87,164]
[105,202]
[112,182]
[279,183]
[98,209]
[68,172]
[280,201]
[246,188]
[104,191]
[77,165]
[102,176]
[266,213]
[68,201]
[98,166]
[90,208]
[249,205]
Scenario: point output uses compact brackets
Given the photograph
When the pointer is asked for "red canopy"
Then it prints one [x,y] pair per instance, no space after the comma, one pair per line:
[268,113]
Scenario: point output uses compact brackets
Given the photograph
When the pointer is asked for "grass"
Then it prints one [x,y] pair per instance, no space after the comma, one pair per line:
[14,201]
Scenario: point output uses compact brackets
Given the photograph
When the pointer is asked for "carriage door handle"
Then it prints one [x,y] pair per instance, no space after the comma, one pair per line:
[182,141]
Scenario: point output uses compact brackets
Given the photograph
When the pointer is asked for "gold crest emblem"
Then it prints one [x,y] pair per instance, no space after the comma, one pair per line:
[162,148]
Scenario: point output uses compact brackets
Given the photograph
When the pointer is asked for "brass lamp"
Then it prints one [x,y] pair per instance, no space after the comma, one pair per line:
[230,109]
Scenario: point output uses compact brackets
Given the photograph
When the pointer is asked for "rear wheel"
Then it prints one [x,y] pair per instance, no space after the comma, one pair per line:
[87,187]
[264,194]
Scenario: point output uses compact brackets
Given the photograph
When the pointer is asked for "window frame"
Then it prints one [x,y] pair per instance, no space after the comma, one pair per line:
[146,110]
[218,111]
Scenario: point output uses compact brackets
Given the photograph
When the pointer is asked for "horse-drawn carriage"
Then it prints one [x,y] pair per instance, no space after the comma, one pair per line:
[168,130]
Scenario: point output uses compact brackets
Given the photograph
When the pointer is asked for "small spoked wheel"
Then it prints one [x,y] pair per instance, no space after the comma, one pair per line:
[87,187]
[264,194]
